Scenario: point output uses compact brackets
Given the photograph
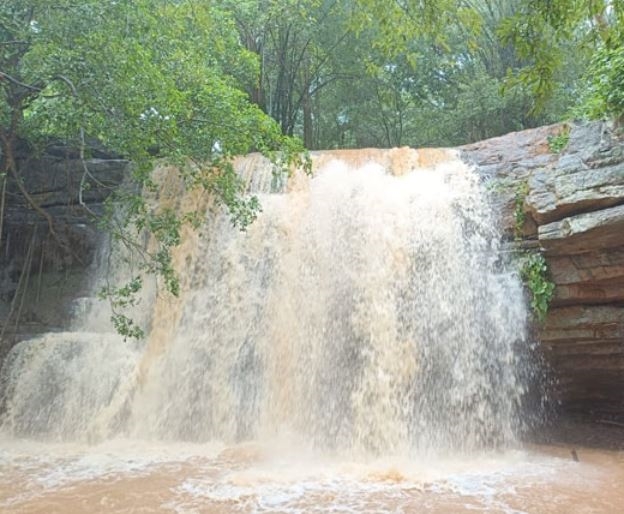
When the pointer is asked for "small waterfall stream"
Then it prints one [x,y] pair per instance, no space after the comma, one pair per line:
[366,316]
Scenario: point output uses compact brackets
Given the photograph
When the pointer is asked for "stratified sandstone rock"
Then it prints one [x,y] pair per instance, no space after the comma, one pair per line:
[505,163]
[585,345]
[69,190]
[584,232]
[588,176]
[589,278]
[55,181]
[575,207]
[52,270]
[554,194]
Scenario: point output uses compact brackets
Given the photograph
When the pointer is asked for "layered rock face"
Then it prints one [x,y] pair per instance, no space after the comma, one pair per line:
[42,273]
[573,203]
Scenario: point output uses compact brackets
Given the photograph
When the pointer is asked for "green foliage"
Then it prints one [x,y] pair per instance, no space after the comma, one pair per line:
[436,78]
[539,32]
[120,299]
[373,73]
[604,96]
[559,142]
[534,273]
[150,79]
[398,23]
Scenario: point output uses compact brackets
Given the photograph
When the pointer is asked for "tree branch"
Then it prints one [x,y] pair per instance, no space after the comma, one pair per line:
[12,168]
[19,83]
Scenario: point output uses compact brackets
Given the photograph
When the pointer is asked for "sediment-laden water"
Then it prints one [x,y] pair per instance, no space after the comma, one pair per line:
[360,348]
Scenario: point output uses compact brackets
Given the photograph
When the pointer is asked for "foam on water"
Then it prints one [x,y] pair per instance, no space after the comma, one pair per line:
[251,478]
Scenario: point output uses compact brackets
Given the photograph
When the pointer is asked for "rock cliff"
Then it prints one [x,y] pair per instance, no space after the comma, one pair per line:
[41,275]
[572,206]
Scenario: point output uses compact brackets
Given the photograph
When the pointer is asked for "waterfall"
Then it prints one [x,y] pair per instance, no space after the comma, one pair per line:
[367,311]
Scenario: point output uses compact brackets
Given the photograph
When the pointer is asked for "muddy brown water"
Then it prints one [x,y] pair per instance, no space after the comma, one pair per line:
[132,477]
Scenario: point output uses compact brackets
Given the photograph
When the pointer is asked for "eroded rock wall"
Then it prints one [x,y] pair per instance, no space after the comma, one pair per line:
[573,204]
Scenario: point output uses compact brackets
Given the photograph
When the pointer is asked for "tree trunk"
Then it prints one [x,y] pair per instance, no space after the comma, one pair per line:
[307,112]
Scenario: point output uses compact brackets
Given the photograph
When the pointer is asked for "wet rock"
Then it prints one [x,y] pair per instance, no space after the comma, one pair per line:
[55,181]
[589,278]
[589,175]
[557,193]
[505,164]
[52,270]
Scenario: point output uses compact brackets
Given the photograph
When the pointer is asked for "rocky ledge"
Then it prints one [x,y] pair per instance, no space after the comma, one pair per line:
[571,204]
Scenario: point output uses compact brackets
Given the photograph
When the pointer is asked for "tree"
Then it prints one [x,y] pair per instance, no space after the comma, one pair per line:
[149,79]
[541,32]
[298,44]
[538,31]
[489,65]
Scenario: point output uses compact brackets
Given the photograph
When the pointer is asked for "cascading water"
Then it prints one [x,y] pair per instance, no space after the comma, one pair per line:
[366,314]
[363,311]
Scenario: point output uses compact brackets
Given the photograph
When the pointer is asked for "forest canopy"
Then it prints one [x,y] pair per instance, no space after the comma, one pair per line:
[153,76]
[202,81]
